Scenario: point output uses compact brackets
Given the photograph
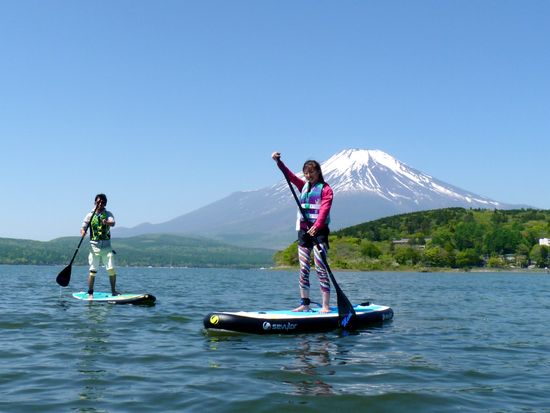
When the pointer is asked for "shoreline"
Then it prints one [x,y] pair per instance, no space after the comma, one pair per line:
[341,270]
[431,270]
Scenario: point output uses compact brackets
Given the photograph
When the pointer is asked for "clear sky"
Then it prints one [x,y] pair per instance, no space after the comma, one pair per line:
[167,106]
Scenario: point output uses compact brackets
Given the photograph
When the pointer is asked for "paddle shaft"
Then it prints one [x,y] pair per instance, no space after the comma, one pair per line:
[341,297]
[83,235]
[64,277]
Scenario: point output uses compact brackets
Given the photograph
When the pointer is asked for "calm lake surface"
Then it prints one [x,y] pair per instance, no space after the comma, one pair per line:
[465,342]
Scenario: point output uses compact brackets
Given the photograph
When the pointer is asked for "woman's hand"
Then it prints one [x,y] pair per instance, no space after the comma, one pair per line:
[276,156]
[312,231]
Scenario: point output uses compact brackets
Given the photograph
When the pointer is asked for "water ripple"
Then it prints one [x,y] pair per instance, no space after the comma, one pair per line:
[458,343]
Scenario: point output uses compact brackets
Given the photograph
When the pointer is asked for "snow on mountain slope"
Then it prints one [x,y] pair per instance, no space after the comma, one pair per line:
[377,173]
[368,184]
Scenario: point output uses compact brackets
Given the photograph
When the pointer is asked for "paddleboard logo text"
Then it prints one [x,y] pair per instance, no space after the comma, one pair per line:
[346,319]
[279,326]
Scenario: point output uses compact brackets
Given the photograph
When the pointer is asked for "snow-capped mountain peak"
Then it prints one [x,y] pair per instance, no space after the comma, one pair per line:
[368,184]
[380,174]
[359,170]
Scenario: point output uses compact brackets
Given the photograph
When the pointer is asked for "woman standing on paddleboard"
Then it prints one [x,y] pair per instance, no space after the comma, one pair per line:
[316,201]
[100,222]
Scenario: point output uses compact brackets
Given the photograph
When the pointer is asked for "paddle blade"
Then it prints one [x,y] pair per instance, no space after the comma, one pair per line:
[346,312]
[64,277]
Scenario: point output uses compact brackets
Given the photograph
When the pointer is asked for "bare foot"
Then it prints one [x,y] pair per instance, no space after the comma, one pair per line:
[324,310]
[303,307]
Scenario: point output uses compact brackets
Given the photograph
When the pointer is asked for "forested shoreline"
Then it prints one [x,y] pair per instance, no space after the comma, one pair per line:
[448,238]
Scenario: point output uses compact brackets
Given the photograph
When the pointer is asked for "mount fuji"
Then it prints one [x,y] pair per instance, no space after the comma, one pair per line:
[367,184]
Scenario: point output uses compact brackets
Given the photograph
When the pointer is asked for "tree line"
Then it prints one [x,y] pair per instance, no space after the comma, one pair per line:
[443,238]
[146,250]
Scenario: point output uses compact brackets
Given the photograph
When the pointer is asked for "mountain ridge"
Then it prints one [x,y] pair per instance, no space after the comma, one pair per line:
[144,250]
[368,184]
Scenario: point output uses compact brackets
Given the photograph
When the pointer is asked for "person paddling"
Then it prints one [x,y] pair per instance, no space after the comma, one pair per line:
[100,222]
[316,200]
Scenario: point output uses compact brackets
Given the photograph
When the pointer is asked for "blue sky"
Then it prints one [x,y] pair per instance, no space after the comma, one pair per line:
[167,106]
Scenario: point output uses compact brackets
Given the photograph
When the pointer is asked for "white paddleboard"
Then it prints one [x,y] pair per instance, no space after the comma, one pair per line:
[116,299]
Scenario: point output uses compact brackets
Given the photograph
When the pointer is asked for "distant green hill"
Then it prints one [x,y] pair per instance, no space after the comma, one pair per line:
[437,239]
[145,250]
[442,238]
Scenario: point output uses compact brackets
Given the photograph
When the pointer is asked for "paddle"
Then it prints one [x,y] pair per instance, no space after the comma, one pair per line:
[346,313]
[64,277]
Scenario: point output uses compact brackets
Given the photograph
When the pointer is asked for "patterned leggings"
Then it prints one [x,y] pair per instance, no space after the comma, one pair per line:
[304,254]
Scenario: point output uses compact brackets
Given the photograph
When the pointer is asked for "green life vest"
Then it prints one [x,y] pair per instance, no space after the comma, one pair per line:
[99,231]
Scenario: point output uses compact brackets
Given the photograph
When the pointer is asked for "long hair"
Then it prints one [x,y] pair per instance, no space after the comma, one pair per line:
[316,166]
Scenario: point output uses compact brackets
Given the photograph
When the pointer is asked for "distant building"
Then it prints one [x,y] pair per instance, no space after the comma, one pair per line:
[544,241]
[401,241]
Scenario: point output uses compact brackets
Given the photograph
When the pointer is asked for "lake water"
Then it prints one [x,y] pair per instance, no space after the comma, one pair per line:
[465,342]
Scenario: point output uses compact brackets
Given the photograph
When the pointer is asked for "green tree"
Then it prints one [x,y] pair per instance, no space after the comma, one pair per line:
[539,255]
[502,241]
[543,256]
[436,257]
[499,217]
[468,235]
[406,256]
[496,262]
[369,249]
[442,237]
[468,258]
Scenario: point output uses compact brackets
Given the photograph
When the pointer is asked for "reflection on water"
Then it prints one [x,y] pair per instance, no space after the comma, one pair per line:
[94,337]
[303,362]
[312,362]
[304,365]
[456,343]
[216,339]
